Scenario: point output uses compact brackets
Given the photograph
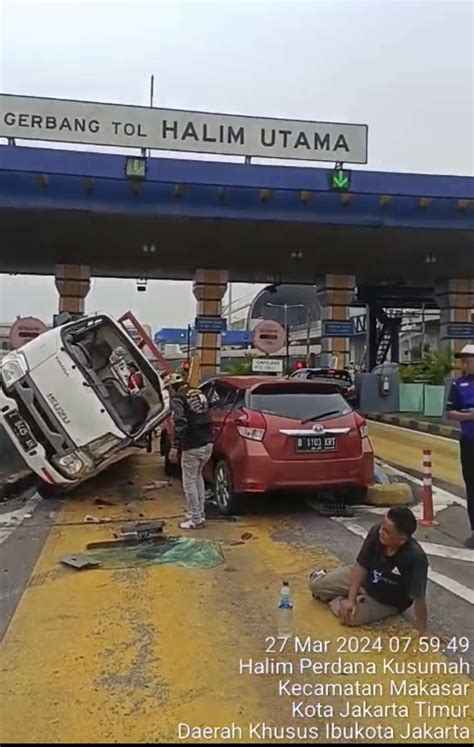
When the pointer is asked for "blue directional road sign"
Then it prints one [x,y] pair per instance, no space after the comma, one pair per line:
[337,329]
[215,324]
[458,331]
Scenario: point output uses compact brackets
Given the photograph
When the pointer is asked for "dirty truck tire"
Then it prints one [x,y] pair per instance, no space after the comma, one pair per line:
[227,502]
[48,491]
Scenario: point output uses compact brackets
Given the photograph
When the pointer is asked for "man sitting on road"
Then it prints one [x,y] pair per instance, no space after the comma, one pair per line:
[193,437]
[389,575]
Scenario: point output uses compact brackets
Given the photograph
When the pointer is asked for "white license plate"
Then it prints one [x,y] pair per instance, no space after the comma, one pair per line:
[316,443]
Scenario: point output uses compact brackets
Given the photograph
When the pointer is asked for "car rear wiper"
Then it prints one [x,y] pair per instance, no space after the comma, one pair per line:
[319,416]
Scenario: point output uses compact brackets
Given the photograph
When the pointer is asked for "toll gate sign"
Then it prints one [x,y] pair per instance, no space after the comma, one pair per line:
[269,337]
[94,123]
[24,330]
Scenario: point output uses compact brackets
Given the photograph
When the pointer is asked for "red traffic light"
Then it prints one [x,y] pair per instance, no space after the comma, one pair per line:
[299,365]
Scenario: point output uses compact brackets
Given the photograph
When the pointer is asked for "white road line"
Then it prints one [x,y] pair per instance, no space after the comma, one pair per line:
[438,493]
[453,586]
[12,519]
[352,526]
[417,510]
[438,578]
[410,430]
[447,551]
[430,548]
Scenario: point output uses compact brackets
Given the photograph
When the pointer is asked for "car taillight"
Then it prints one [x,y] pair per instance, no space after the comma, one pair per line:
[251,425]
[351,391]
[363,430]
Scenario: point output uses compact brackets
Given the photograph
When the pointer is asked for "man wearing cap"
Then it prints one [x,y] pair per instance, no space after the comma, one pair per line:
[460,407]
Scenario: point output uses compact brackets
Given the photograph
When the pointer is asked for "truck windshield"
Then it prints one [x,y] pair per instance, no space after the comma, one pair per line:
[128,387]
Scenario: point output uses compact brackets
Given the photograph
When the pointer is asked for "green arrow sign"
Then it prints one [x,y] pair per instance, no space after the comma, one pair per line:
[135,168]
[340,180]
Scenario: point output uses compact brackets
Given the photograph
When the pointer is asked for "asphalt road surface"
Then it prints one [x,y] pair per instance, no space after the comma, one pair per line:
[128,651]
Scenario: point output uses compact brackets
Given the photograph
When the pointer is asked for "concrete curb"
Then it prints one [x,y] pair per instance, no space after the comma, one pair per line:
[424,426]
[394,494]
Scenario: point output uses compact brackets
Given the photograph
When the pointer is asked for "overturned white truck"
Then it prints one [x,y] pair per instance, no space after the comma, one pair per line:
[78,398]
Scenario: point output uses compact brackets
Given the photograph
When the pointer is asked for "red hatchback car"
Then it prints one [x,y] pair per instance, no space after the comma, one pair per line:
[283,434]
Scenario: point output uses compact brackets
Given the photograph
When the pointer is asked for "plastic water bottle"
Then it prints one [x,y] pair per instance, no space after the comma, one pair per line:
[285,611]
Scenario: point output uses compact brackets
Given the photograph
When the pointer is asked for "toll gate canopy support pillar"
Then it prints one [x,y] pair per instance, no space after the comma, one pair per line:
[209,289]
[336,293]
[73,284]
[456,301]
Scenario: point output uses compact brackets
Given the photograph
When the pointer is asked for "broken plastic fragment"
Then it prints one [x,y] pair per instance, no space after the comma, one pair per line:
[79,561]
[103,502]
[156,485]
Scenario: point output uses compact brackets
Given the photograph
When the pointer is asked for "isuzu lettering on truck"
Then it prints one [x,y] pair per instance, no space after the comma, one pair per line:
[79,397]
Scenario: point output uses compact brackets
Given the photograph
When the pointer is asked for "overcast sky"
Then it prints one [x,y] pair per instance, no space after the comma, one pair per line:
[404,67]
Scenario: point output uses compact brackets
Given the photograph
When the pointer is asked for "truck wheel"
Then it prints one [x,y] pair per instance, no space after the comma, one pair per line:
[227,501]
[48,491]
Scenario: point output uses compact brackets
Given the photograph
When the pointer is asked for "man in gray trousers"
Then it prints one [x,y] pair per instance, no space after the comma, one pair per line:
[193,438]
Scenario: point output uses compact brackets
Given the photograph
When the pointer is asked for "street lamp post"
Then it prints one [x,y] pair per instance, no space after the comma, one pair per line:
[286,307]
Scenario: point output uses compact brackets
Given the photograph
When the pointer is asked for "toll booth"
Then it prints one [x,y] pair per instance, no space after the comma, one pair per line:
[378,392]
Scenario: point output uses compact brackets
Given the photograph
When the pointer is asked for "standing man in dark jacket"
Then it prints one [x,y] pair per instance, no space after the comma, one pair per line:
[193,437]
[461,408]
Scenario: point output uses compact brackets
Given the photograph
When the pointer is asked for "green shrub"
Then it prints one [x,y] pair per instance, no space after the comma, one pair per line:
[240,367]
[433,369]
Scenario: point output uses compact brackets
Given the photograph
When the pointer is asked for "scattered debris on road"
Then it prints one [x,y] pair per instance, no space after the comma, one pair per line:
[142,530]
[89,519]
[185,552]
[103,502]
[79,561]
[380,475]
[332,509]
[156,485]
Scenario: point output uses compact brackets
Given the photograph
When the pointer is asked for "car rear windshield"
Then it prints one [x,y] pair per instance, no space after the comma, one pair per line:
[298,403]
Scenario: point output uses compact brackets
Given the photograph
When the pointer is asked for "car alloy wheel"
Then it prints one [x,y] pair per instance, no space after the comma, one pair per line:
[223,491]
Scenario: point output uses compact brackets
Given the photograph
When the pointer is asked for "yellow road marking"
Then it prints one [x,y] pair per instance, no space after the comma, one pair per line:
[126,655]
[405,448]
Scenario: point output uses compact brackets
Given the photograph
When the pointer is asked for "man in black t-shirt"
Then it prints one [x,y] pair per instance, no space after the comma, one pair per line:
[193,438]
[389,575]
